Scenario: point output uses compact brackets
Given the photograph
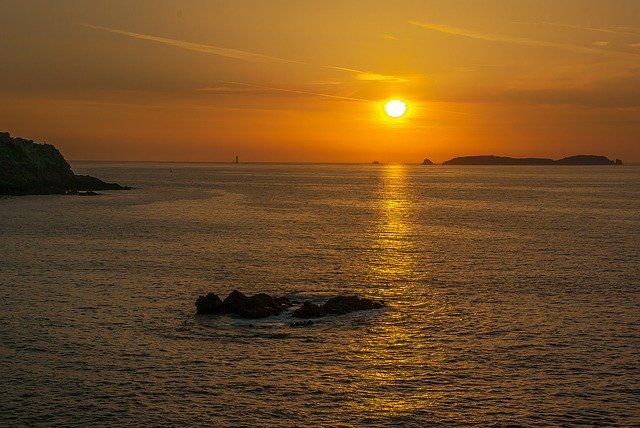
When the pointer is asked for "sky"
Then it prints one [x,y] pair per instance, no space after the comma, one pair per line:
[305,81]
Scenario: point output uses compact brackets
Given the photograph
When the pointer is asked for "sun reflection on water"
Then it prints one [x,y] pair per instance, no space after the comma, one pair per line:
[392,250]
[395,345]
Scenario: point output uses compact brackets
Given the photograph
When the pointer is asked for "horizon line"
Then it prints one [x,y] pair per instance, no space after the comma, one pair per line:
[217,162]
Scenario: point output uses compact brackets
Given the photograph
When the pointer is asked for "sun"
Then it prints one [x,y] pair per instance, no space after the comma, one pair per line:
[395,108]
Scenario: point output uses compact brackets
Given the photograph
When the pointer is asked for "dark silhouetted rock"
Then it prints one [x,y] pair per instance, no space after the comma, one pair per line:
[28,168]
[427,162]
[306,323]
[309,310]
[209,304]
[344,304]
[234,302]
[618,162]
[339,305]
[375,163]
[262,305]
[237,304]
[87,182]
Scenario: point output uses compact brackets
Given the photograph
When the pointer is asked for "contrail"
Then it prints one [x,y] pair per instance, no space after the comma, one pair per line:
[293,91]
[515,40]
[579,27]
[197,47]
[242,55]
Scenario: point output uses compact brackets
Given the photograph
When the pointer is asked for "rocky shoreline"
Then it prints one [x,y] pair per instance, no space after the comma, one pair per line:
[28,168]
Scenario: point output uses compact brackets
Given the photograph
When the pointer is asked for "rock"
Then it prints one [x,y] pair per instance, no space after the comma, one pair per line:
[28,168]
[234,302]
[306,323]
[309,310]
[237,304]
[88,193]
[283,301]
[618,162]
[339,305]
[344,304]
[263,305]
[87,182]
[209,304]
[427,162]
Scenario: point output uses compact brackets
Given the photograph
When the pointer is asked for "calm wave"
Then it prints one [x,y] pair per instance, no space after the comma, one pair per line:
[513,293]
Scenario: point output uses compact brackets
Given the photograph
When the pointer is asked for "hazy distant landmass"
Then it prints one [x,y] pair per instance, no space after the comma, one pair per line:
[28,168]
[501,160]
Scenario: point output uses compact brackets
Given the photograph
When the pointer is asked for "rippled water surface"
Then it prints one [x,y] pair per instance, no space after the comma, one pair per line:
[513,293]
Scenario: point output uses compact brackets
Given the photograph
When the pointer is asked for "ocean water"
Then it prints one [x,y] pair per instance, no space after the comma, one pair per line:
[513,297]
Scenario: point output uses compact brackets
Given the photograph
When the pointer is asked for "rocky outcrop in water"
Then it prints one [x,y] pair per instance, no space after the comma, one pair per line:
[28,168]
[309,310]
[338,305]
[427,161]
[501,160]
[262,305]
[251,307]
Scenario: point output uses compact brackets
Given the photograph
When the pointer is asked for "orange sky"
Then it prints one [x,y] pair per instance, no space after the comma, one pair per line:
[304,81]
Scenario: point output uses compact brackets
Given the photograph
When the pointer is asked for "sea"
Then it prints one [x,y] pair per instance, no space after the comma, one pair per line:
[512,293]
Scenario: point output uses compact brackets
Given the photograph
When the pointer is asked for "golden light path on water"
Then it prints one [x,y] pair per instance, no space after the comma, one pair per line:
[389,355]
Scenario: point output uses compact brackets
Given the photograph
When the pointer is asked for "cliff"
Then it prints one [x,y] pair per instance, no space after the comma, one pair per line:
[28,168]
[500,160]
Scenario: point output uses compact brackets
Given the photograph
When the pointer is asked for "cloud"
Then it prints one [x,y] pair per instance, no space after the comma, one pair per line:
[197,47]
[276,89]
[601,44]
[242,55]
[634,45]
[515,40]
[367,75]
[615,30]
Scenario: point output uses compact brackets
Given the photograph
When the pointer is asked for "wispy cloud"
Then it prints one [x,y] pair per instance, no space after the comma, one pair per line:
[601,44]
[276,89]
[242,55]
[614,30]
[515,40]
[367,75]
[197,47]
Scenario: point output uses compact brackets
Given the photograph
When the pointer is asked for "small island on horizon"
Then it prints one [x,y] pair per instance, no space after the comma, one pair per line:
[29,168]
[583,160]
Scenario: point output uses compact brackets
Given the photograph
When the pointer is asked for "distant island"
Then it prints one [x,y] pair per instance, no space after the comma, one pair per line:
[28,168]
[501,160]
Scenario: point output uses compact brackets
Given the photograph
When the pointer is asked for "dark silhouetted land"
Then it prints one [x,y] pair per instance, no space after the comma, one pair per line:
[501,160]
[28,168]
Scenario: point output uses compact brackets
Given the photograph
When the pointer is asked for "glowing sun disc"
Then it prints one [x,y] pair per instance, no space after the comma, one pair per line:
[395,108]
